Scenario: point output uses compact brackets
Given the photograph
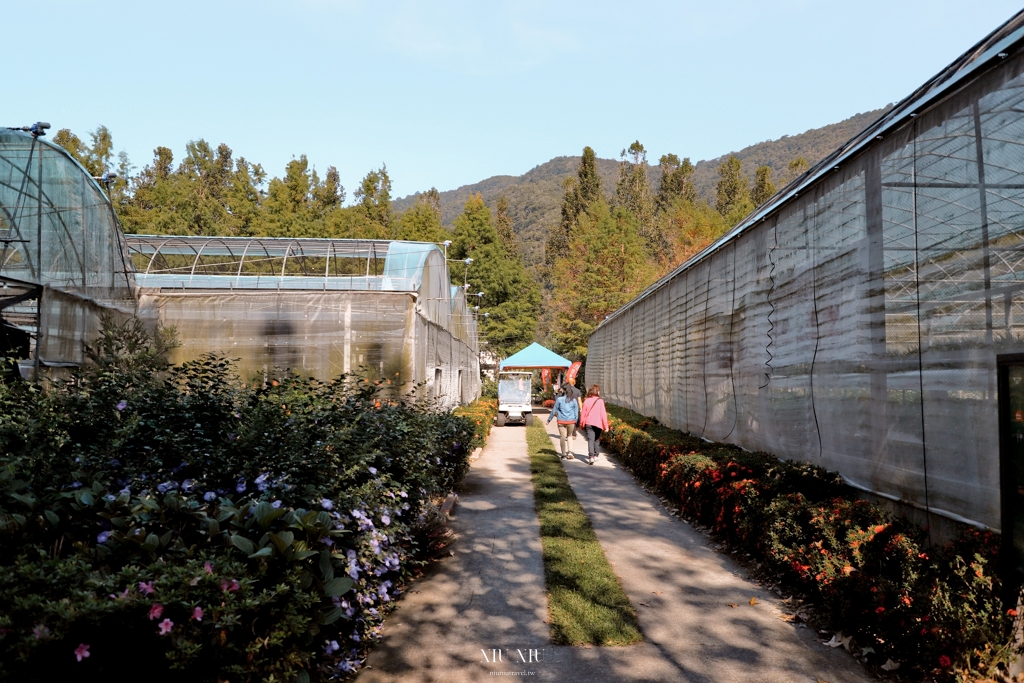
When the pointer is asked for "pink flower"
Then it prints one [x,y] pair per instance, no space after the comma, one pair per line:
[232,586]
[82,651]
[122,596]
[197,614]
[146,587]
[41,632]
[207,567]
[165,626]
[155,611]
[945,662]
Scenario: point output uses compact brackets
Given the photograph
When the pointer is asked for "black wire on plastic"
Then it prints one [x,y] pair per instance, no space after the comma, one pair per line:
[771,323]
[817,327]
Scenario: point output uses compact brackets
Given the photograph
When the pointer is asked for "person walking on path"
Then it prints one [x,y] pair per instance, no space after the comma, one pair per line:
[594,419]
[574,394]
[567,411]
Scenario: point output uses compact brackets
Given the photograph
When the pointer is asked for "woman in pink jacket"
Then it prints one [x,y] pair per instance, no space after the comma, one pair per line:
[594,420]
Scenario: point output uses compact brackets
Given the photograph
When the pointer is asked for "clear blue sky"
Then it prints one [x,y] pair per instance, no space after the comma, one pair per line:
[448,93]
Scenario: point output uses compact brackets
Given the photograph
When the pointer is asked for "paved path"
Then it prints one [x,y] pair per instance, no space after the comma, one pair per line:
[490,595]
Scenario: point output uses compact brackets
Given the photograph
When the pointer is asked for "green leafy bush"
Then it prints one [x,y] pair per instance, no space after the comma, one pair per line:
[937,610]
[241,531]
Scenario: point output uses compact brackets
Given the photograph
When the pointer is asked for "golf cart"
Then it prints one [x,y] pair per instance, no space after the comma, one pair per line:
[514,398]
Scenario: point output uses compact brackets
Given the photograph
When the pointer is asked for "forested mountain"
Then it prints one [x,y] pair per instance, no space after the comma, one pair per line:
[535,198]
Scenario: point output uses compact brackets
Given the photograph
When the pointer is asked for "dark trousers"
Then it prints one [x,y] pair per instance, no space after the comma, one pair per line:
[593,436]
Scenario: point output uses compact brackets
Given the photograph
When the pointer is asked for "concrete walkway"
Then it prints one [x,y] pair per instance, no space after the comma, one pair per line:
[490,595]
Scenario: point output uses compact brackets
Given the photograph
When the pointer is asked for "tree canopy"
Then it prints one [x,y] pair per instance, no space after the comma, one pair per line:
[511,299]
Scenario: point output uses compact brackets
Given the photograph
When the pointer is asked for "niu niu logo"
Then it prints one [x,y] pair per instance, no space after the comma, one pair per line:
[528,656]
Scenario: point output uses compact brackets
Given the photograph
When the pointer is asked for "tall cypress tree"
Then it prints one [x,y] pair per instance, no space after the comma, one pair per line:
[580,192]
[506,231]
[731,190]
[606,267]
[676,182]
[633,192]
[511,298]
[764,188]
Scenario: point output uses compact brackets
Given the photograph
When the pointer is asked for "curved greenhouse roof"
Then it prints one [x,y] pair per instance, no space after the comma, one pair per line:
[57,227]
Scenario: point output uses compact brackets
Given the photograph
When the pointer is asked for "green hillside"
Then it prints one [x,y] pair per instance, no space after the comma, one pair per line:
[535,197]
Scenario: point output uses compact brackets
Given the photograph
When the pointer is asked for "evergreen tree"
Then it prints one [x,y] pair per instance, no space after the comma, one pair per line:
[511,298]
[578,194]
[503,223]
[374,197]
[732,190]
[676,182]
[329,194]
[606,267]
[422,221]
[633,192]
[764,188]
[796,168]
[691,226]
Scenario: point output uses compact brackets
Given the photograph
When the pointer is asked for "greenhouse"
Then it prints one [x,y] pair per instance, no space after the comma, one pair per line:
[315,307]
[62,258]
[869,318]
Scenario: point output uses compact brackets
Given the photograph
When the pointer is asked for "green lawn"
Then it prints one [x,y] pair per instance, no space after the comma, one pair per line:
[587,604]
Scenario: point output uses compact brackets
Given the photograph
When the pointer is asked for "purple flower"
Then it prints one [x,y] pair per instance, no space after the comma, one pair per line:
[209,495]
[146,587]
[276,504]
[373,470]
[327,503]
[121,405]
[41,632]
[76,485]
[261,481]
[326,540]
[240,487]
[386,519]
[103,537]
[331,647]
[187,485]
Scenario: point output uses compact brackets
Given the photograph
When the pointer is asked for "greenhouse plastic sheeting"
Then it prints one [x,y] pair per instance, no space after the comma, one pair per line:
[59,238]
[855,324]
[382,335]
[56,226]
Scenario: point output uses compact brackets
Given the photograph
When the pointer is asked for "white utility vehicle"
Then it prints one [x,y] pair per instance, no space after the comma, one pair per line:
[514,392]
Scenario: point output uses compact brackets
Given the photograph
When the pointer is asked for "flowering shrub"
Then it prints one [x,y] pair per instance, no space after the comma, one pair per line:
[936,609]
[179,522]
[548,403]
[482,412]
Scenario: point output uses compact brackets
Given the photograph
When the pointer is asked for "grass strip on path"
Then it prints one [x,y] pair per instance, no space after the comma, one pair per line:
[587,604]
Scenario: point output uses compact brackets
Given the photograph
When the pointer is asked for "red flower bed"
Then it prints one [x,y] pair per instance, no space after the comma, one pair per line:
[933,609]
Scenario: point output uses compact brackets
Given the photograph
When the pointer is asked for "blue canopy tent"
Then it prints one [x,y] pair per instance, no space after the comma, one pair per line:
[534,357]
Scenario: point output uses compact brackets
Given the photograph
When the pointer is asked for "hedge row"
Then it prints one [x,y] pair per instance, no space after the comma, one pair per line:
[936,610]
[482,412]
[177,524]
